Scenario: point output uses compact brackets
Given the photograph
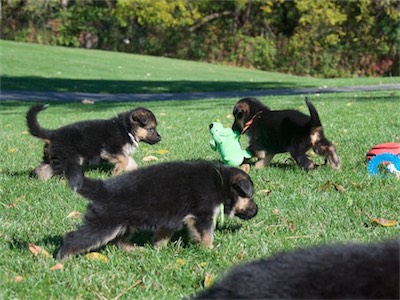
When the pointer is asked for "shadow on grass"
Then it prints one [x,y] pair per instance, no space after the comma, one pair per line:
[33,83]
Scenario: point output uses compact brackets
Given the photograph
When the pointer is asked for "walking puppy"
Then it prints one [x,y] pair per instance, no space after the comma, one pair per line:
[161,199]
[331,272]
[90,142]
[277,131]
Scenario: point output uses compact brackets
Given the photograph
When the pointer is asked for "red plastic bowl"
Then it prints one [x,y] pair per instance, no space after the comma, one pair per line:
[393,148]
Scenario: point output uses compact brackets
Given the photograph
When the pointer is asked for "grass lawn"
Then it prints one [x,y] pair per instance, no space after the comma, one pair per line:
[296,208]
[45,68]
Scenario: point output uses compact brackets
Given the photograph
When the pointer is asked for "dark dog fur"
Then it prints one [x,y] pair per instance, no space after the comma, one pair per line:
[278,131]
[332,272]
[90,142]
[161,199]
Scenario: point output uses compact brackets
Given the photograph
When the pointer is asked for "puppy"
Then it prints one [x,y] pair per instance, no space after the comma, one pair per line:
[161,199]
[351,271]
[90,142]
[277,131]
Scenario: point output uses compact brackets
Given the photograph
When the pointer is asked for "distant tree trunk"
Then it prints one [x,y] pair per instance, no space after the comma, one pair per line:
[64,4]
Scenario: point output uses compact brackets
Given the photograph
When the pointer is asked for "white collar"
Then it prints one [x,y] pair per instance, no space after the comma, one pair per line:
[134,142]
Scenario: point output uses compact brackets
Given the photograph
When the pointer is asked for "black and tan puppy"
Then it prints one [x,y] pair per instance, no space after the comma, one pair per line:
[277,131]
[90,142]
[160,199]
[353,271]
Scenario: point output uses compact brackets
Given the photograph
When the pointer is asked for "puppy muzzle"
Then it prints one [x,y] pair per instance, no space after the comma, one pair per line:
[152,140]
[248,213]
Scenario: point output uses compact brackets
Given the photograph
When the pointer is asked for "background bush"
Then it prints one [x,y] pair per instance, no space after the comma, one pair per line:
[306,37]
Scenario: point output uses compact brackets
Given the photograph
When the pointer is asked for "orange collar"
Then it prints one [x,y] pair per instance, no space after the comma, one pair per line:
[250,122]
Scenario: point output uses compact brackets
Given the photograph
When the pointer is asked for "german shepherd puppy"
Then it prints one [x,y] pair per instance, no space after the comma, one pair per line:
[277,131]
[351,271]
[161,199]
[90,142]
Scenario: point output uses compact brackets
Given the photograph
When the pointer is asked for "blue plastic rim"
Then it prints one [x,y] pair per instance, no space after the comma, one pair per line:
[381,158]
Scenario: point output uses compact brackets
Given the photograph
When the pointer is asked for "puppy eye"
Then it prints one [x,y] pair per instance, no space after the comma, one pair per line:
[151,130]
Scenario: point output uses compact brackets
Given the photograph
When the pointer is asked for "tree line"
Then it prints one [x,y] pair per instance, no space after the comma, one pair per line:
[324,38]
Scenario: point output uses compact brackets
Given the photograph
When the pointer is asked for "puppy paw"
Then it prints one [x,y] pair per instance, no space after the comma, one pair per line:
[245,168]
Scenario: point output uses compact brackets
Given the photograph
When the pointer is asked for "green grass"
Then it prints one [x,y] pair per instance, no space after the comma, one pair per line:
[302,208]
[45,68]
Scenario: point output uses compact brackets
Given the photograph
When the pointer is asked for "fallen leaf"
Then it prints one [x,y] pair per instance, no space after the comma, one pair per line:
[12,150]
[275,211]
[74,215]
[203,264]
[328,185]
[36,250]
[291,227]
[384,222]
[339,188]
[208,280]
[87,101]
[162,151]
[180,262]
[162,114]
[25,132]
[149,158]
[57,266]
[240,255]
[97,256]
[264,192]
[18,279]
[229,116]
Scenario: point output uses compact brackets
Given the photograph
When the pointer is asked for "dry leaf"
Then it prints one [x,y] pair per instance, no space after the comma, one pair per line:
[74,215]
[162,114]
[291,227]
[162,151]
[25,132]
[264,192]
[97,256]
[339,188]
[57,266]
[328,185]
[229,116]
[208,280]
[275,211]
[18,279]
[36,250]
[149,158]
[240,255]
[203,264]
[384,222]
[87,101]
[180,262]
[12,150]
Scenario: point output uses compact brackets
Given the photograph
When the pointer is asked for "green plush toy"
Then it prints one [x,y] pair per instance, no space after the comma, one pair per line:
[226,141]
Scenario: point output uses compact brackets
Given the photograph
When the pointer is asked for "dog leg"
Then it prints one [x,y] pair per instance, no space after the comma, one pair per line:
[264,159]
[87,238]
[162,236]
[190,222]
[44,171]
[207,237]
[200,232]
[122,162]
[302,159]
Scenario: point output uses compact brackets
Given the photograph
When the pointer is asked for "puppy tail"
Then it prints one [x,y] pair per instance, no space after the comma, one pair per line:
[34,128]
[91,189]
[315,120]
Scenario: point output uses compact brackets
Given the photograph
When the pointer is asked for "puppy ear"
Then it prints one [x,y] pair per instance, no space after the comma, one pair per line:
[238,112]
[243,186]
[139,118]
